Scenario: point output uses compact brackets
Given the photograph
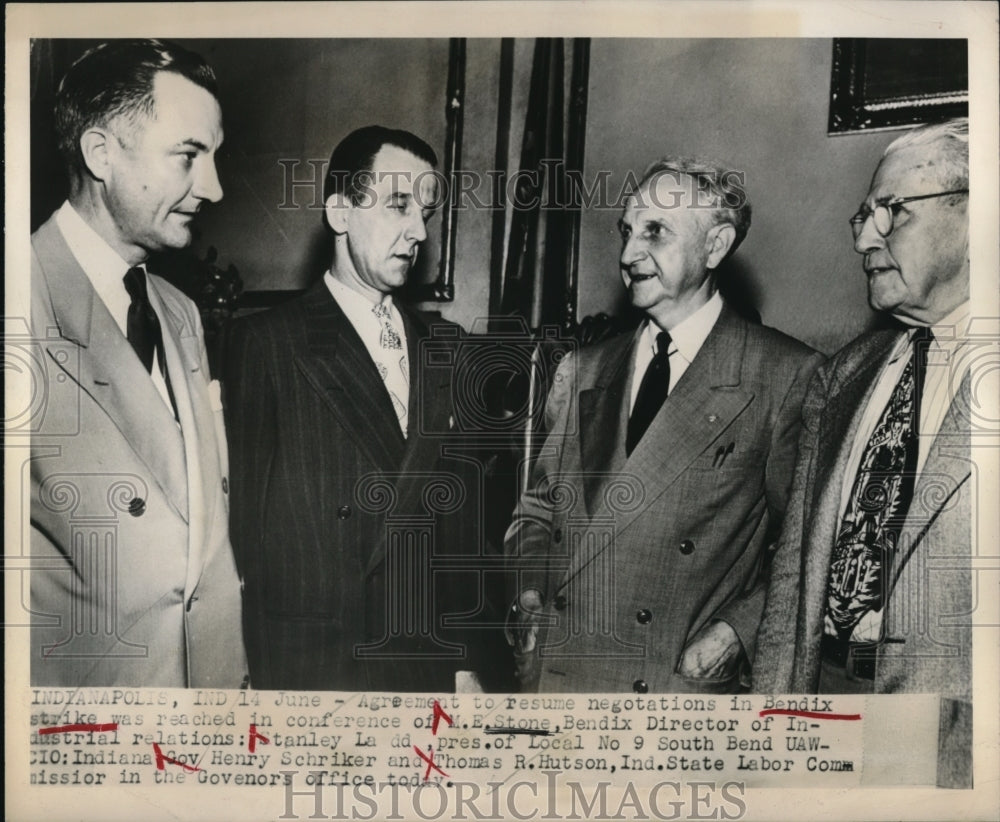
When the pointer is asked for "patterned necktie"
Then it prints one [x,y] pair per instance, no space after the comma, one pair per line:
[393,366]
[880,498]
[652,392]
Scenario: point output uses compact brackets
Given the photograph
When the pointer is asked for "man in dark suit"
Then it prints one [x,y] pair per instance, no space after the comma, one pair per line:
[642,536]
[133,581]
[871,591]
[343,498]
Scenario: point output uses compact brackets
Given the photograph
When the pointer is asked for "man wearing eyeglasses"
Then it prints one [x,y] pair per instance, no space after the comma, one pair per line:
[871,580]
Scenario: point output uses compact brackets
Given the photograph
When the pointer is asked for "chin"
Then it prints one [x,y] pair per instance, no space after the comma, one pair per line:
[176,241]
[881,300]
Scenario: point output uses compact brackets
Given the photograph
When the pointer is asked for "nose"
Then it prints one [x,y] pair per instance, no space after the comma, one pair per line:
[206,183]
[868,238]
[632,251]
[416,229]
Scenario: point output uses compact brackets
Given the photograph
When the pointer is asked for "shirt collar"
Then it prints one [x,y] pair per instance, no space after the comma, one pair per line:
[355,299]
[99,261]
[953,328]
[689,334]
[354,304]
[102,265]
[949,332]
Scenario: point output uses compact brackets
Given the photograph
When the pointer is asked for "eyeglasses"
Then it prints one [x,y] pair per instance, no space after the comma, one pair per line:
[884,214]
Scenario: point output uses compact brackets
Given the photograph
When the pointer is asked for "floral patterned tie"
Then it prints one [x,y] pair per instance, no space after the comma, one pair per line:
[393,366]
[880,498]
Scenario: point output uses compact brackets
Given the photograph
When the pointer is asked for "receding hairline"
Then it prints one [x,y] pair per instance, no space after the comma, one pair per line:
[134,118]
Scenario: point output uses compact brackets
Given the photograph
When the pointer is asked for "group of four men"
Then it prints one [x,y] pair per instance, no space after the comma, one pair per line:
[712,507]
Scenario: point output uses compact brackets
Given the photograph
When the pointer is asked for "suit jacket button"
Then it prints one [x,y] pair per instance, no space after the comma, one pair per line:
[557,535]
[686,547]
[137,506]
[191,602]
[560,603]
[343,512]
[644,617]
[640,686]
[225,485]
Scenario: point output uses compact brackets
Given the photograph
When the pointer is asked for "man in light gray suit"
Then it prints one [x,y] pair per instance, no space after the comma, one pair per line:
[640,542]
[871,588]
[133,580]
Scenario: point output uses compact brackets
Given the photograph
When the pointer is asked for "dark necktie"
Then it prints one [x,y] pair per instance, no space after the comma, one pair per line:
[880,498]
[143,327]
[652,392]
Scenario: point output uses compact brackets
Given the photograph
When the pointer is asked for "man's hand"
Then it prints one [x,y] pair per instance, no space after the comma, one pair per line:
[523,635]
[713,654]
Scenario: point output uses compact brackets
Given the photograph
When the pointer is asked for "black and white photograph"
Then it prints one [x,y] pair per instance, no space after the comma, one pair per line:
[406,409]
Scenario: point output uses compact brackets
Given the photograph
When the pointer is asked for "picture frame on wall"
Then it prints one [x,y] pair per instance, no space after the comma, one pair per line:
[879,84]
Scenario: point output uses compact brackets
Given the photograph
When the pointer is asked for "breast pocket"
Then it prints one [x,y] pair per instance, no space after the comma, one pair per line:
[730,468]
[731,454]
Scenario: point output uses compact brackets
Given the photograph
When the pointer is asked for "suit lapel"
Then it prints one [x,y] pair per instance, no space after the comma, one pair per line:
[182,348]
[844,407]
[107,368]
[338,366]
[703,404]
[429,412]
[946,469]
[430,399]
[843,411]
[603,418]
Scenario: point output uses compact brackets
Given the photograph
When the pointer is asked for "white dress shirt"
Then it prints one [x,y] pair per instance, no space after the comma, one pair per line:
[686,340]
[106,271]
[358,310]
[941,384]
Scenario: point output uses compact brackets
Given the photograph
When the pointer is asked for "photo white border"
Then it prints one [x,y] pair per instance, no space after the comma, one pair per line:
[976,21]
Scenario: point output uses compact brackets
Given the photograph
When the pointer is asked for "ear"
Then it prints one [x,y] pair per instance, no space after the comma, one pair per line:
[337,208]
[718,241]
[96,146]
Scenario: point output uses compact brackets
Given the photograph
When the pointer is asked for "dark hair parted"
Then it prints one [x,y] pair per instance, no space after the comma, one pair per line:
[115,80]
[355,155]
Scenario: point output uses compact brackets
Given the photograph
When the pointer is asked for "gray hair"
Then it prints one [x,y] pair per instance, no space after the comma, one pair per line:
[949,142]
[724,186]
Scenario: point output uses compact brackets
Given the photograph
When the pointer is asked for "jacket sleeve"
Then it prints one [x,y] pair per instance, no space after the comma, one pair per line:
[775,656]
[251,424]
[527,542]
[744,614]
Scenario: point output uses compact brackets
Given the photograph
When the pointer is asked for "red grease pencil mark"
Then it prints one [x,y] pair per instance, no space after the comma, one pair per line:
[254,736]
[68,729]
[162,760]
[438,713]
[807,714]
[430,763]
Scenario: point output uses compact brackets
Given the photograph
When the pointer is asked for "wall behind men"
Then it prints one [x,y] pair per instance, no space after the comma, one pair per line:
[286,104]
[758,104]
